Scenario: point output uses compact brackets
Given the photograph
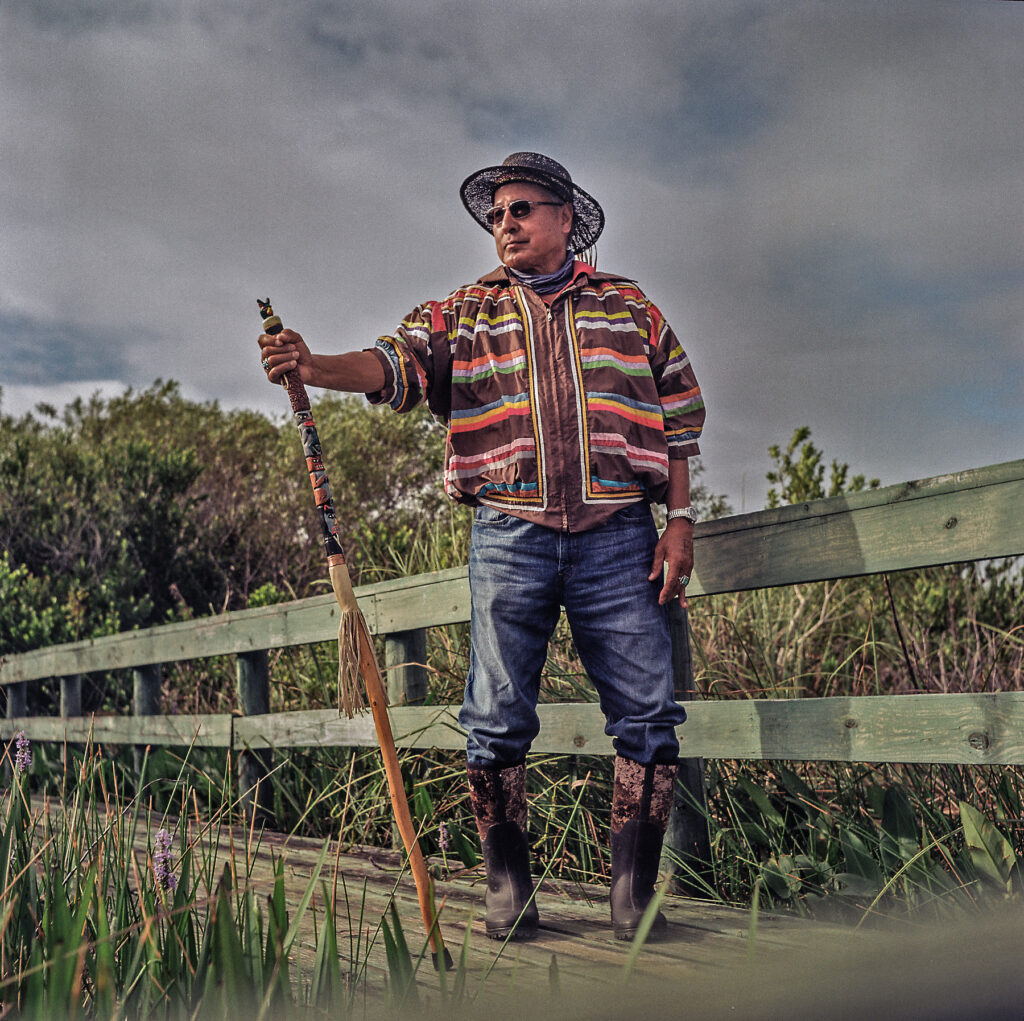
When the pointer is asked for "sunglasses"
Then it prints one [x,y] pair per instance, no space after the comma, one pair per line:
[520,209]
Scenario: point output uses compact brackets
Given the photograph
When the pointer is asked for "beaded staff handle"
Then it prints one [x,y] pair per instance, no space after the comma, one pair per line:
[310,443]
[350,696]
[355,649]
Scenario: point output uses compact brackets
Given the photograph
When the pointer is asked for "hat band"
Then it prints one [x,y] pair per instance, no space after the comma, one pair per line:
[555,185]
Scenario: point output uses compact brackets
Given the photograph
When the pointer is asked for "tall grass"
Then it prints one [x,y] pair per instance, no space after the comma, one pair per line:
[857,839]
[111,908]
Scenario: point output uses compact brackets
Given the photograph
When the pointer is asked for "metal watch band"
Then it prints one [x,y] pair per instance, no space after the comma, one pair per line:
[683,512]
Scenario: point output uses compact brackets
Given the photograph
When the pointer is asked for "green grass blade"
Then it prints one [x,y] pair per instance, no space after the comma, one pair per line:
[991,853]
[234,983]
[327,987]
[400,966]
[293,929]
[104,975]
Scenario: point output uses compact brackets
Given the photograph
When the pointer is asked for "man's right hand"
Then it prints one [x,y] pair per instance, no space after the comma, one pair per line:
[286,352]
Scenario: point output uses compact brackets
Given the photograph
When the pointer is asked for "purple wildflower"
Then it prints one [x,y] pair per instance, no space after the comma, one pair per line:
[23,752]
[442,837]
[163,861]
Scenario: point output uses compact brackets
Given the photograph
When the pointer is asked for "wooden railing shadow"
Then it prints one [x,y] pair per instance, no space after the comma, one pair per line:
[968,516]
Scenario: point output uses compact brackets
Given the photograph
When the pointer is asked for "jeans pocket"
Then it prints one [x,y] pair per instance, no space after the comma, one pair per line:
[493,518]
[635,513]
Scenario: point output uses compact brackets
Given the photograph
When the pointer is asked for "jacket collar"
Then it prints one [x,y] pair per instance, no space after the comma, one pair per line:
[582,274]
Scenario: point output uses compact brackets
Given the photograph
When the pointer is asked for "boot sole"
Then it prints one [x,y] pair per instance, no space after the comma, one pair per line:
[516,934]
[628,935]
[657,931]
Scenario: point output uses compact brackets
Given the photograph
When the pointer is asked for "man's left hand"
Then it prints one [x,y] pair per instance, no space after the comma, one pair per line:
[674,555]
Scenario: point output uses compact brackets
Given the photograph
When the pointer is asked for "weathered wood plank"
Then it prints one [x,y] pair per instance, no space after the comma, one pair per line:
[405,666]
[402,604]
[968,516]
[423,600]
[268,627]
[967,728]
[252,685]
[687,837]
[17,700]
[146,682]
[963,728]
[71,695]
[413,726]
[213,731]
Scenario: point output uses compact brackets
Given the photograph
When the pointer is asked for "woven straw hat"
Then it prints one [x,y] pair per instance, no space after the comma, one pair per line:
[478,190]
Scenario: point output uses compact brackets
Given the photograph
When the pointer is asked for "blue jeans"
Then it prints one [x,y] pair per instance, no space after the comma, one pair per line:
[519,575]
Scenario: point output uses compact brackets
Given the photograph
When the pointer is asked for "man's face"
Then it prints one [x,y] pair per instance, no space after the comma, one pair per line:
[537,243]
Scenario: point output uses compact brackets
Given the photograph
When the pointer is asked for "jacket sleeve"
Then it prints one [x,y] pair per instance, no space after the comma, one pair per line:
[417,363]
[682,404]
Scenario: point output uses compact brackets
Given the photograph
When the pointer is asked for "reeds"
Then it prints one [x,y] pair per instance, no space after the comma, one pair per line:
[111,908]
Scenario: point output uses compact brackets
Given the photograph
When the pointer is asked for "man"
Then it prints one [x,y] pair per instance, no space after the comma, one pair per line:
[570,406]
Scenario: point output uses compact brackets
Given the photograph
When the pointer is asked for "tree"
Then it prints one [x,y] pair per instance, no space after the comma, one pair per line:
[799,473]
[148,506]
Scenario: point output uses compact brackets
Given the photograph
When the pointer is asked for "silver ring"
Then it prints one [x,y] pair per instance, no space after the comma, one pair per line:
[684,580]
[266,365]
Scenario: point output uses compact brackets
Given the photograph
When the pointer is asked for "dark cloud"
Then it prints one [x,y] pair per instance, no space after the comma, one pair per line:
[38,353]
[824,197]
[74,17]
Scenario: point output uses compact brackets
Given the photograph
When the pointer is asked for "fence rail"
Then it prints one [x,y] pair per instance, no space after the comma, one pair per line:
[979,729]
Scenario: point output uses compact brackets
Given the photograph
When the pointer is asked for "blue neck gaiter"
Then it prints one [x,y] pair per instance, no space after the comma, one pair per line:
[548,283]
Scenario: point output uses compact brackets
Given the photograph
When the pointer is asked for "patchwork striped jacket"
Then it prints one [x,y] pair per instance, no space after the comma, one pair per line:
[561,409]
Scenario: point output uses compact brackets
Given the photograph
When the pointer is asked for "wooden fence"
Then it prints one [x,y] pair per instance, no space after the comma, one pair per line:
[968,516]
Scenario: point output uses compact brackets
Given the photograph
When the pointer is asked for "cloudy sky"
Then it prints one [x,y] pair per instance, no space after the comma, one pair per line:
[825,197]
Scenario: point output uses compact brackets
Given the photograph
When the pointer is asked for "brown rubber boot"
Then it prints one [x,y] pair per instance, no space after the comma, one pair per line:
[498,796]
[641,802]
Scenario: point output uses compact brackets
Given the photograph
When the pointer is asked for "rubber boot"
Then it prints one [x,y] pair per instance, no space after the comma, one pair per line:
[509,885]
[636,856]
[498,796]
[641,803]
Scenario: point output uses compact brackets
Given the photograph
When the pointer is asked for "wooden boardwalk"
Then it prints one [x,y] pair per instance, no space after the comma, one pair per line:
[714,962]
[575,959]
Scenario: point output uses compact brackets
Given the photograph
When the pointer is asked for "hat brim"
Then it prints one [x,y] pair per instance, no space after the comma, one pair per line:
[477,193]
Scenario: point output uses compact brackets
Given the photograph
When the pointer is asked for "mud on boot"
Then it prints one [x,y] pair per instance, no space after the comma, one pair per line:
[641,802]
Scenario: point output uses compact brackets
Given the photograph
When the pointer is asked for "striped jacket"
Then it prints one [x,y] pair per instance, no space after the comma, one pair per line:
[560,409]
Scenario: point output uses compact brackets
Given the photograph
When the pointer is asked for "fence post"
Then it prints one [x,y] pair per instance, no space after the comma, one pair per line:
[145,702]
[71,696]
[70,705]
[687,827]
[405,658]
[17,700]
[252,676]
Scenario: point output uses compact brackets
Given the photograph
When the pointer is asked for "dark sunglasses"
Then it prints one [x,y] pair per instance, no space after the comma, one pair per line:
[520,209]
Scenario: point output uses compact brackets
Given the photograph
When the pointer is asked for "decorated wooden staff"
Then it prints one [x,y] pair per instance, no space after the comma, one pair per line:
[355,650]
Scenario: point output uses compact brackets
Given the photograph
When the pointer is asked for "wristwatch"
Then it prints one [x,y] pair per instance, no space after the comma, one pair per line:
[683,512]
